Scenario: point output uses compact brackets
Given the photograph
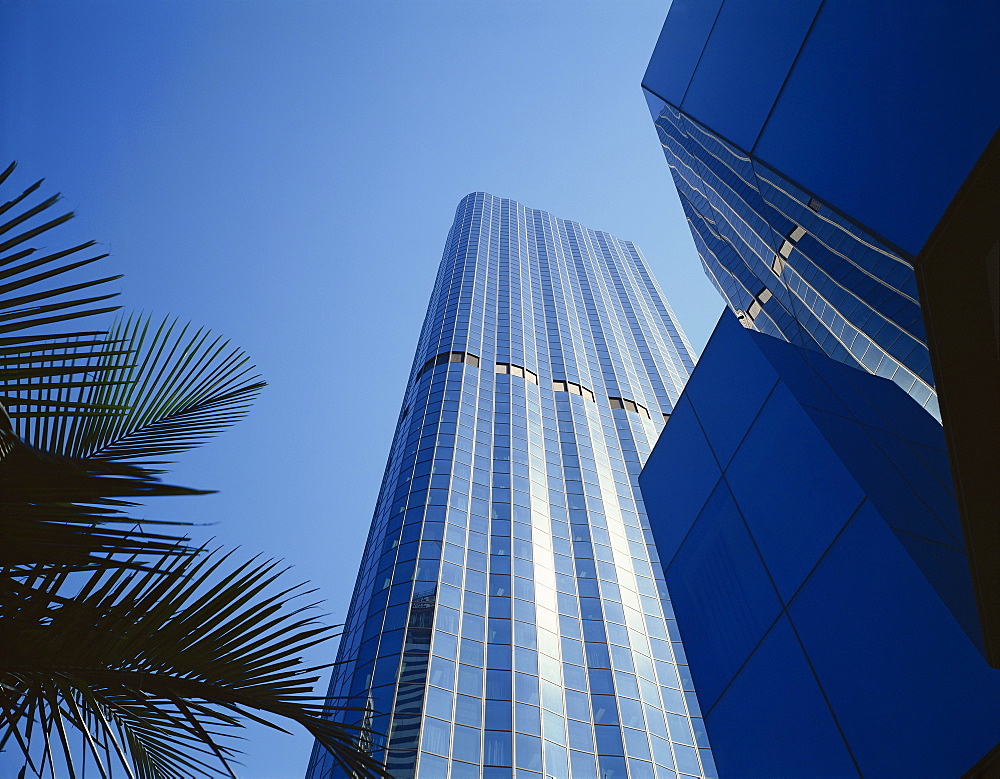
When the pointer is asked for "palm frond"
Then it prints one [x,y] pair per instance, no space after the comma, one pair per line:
[18,266]
[168,387]
[40,293]
[121,647]
[165,662]
[57,510]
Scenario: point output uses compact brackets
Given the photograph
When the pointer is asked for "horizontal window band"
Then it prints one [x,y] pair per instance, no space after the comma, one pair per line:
[630,405]
[574,389]
[516,370]
[440,359]
[558,385]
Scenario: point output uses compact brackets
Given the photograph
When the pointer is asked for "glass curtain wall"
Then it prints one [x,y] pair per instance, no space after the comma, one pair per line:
[510,616]
[790,266]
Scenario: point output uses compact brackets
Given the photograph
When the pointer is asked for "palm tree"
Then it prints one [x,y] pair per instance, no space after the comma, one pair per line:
[123,648]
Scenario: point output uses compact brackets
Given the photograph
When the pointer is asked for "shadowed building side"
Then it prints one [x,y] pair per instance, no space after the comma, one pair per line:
[816,563]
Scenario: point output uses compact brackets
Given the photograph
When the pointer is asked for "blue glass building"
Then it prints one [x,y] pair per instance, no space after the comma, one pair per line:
[798,272]
[510,616]
[839,164]
[810,167]
[813,549]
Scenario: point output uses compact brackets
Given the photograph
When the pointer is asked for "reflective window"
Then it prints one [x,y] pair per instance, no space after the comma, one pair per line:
[507,597]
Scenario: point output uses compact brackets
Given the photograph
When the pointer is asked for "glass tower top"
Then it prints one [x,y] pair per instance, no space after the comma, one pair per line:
[510,617]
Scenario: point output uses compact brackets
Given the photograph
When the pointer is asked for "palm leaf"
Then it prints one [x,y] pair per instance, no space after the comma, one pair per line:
[165,663]
[111,636]
[55,510]
[39,279]
[150,392]
[39,294]
[58,511]
[171,389]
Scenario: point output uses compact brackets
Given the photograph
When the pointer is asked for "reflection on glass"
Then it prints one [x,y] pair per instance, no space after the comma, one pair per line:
[507,566]
[791,267]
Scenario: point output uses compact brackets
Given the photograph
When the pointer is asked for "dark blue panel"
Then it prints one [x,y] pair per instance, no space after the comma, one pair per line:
[679,46]
[947,570]
[855,401]
[797,737]
[722,595]
[729,386]
[912,693]
[740,74]
[793,490]
[892,496]
[939,498]
[878,402]
[888,108]
[798,373]
[678,478]
[937,461]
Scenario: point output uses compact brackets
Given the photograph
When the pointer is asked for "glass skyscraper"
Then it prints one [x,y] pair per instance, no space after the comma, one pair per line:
[510,617]
[790,266]
[811,172]
[834,210]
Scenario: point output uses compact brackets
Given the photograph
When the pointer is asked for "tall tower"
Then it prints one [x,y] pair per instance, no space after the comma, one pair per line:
[510,617]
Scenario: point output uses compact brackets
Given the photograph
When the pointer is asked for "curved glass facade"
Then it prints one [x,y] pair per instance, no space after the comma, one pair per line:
[790,266]
[510,616]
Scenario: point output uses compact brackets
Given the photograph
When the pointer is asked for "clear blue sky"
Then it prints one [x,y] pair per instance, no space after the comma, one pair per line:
[286,173]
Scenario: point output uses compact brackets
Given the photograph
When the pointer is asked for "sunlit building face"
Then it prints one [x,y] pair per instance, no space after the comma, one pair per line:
[510,617]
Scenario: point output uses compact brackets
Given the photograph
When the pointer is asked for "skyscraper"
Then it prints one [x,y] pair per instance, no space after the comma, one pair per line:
[811,172]
[510,617]
[838,163]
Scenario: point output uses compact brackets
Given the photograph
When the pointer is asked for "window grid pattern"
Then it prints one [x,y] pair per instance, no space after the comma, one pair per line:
[791,267]
[510,616]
